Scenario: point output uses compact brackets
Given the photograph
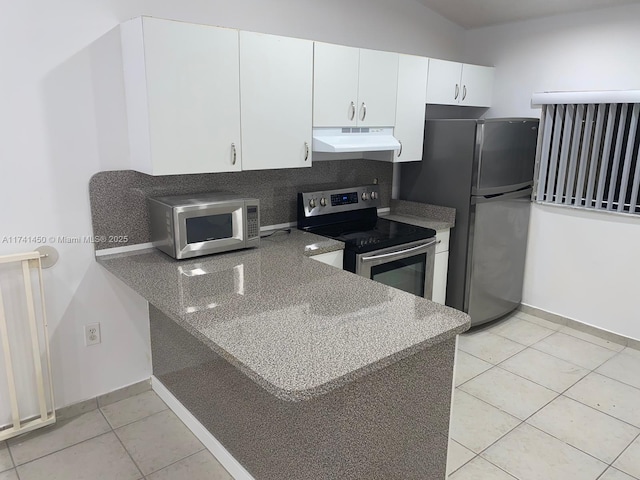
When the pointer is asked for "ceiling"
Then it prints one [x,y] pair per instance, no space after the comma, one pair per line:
[480,13]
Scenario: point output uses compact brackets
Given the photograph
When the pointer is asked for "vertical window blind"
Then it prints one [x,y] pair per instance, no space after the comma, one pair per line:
[588,156]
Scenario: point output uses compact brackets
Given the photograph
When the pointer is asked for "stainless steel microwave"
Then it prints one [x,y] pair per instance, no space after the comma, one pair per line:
[186,226]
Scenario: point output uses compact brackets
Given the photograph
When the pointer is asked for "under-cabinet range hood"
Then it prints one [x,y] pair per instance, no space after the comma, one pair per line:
[367,139]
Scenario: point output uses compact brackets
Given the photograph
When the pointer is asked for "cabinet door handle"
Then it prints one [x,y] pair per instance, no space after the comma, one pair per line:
[400,152]
[364,111]
[352,108]
[306,151]
[464,92]
[457,92]
[234,154]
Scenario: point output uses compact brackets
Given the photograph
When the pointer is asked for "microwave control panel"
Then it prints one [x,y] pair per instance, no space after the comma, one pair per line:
[253,225]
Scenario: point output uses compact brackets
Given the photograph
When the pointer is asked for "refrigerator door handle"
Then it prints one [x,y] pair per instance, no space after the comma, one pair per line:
[502,196]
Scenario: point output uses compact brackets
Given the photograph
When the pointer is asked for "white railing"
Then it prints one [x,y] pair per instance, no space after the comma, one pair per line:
[37,346]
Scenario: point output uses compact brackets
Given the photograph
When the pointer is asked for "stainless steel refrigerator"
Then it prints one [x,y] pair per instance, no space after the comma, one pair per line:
[483,169]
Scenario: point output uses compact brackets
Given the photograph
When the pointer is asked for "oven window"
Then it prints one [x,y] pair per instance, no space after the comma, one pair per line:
[211,227]
[407,274]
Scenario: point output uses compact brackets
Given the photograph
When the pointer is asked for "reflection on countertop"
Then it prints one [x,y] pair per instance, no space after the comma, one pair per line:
[297,327]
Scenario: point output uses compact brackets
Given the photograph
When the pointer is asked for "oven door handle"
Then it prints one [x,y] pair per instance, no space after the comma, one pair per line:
[400,252]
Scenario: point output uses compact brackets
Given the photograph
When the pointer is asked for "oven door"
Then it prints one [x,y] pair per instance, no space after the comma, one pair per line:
[408,267]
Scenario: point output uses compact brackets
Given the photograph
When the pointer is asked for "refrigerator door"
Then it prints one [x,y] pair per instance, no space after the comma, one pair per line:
[444,178]
[497,248]
[507,155]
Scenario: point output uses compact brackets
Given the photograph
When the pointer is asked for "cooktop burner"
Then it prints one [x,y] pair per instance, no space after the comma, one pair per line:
[350,215]
[363,237]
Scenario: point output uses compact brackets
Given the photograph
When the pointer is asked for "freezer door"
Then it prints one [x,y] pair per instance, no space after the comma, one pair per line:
[507,154]
[497,248]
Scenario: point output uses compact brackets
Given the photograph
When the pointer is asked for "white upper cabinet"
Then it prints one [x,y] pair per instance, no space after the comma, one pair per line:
[276,91]
[477,85]
[443,85]
[410,108]
[354,87]
[335,85]
[452,83]
[183,96]
[377,88]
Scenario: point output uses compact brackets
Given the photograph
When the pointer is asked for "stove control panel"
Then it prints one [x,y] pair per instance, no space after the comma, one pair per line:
[336,201]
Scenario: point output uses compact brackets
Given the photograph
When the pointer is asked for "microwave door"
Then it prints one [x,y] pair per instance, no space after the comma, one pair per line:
[209,229]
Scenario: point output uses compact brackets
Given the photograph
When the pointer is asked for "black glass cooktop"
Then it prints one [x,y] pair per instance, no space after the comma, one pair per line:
[373,234]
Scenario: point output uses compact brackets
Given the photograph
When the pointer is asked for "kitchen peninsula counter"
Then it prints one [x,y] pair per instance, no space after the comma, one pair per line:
[297,327]
[299,369]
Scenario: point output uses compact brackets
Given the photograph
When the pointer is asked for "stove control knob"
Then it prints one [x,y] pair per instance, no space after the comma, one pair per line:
[312,204]
[323,202]
[374,195]
[365,196]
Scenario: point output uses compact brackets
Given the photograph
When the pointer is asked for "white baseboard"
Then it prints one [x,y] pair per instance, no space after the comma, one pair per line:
[212,444]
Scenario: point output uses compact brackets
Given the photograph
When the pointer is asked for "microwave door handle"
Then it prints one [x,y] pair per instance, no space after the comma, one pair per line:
[399,253]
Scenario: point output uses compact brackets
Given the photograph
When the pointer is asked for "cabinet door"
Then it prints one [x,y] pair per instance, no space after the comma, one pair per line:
[443,85]
[410,109]
[193,98]
[377,88]
[276,92]
[440,277]
[335,85]
[477,85]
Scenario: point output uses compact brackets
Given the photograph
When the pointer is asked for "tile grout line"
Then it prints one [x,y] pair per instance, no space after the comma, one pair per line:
[144,476]
[134,421]
[180,460]
[561,394]
[607,376]
[574,447]
[501,436]
[567,326]
[122,444]
[13,462]
[475,455]
[558,395]
[61,450]
[530,323]
[15,467]
[548,433]
[604,413]
[624,450]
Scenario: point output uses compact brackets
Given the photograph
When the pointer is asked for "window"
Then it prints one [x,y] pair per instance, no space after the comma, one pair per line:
[588,156]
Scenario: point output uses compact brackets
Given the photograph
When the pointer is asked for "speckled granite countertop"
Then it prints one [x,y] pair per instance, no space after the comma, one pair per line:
[297,327]
[422,214]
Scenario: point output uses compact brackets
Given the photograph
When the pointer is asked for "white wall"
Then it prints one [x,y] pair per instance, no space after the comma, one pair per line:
[581,265]
[57,94]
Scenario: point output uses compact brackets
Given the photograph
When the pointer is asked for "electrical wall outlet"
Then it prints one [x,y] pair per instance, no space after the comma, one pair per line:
[92,334]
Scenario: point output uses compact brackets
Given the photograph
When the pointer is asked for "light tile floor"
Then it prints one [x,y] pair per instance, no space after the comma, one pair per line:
[533,401]
[538,401]
[134,438]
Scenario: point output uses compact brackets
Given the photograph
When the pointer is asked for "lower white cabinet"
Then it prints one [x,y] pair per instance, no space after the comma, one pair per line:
[330,258]
[440,267]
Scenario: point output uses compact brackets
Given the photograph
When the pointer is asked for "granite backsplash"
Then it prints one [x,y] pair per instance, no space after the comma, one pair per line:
[118,198]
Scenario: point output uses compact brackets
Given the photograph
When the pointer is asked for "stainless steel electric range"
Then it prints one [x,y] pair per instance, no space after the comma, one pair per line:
[394,253]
